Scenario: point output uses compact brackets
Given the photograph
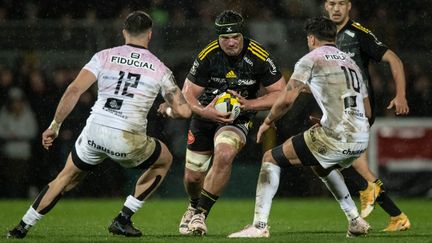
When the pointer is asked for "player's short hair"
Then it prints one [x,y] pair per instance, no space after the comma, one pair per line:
[322,28]
[229,22]
[137,22]
[345,1]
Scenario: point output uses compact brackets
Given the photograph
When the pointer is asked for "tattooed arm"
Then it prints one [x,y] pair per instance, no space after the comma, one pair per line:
[175,104]
[282,104]
[285,99]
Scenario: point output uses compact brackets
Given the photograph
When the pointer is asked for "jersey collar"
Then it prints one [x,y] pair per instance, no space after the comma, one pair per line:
[136,46]
[330,45]
[346,26]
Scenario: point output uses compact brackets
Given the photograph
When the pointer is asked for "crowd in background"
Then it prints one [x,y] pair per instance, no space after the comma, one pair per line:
[30,90]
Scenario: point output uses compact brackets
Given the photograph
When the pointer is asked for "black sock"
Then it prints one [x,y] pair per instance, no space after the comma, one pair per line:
[386,203]
[24,225]
[124,215]
[206,202]
[355,178]
[194,202]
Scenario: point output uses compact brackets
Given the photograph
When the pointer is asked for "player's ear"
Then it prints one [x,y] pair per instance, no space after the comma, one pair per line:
[149,35]
[124,33]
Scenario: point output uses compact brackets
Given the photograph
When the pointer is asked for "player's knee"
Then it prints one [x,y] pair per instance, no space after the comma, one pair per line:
[224,156]
[197,162]
[165,158]
[267,157]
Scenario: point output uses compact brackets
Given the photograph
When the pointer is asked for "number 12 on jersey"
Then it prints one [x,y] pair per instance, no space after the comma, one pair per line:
[132,80]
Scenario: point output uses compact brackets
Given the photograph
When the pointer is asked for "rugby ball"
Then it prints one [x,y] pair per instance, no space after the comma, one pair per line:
[227,102]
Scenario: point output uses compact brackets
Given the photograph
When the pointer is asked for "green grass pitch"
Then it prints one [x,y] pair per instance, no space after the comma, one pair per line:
[291,220]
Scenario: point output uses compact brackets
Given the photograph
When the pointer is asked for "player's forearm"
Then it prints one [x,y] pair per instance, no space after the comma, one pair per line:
[264,102]
[178,107]
[279,108]
[182,111]
[67,103]
[397,70]
[195,106]
[399,78]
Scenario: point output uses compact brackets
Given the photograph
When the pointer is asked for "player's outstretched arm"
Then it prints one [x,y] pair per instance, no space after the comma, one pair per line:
[68,101]
[175,105]
[399,102]
[282,104]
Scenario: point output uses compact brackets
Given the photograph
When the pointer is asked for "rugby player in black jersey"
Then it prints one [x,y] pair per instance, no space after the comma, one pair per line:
[362,45]
[230,63]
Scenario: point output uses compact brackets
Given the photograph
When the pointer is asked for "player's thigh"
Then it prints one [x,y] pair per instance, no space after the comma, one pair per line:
[230,137]
[283,155]
[165,157]
[200,135]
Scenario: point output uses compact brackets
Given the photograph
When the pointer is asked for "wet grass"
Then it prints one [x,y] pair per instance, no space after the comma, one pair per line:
[291,220]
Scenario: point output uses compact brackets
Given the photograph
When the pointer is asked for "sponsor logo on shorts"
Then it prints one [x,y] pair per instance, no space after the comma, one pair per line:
[107,151]
[191,137]
[353,152]
[312,135]
[322,149]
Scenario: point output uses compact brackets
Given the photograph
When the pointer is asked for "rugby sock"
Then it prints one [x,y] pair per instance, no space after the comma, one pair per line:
[355,178]
[194,202]
[31,217]
[131,205]
[268,183]
[206,202]
[336,185]
[385,201]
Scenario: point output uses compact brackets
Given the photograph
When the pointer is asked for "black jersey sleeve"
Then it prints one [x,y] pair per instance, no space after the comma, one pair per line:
[267,71]
[199,73]
[371,45]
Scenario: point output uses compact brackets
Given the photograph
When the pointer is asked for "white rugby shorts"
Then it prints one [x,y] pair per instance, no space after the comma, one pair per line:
[98,142]
[329,151]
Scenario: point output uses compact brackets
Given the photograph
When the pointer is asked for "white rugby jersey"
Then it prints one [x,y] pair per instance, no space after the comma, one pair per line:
[337,85]
[129,78]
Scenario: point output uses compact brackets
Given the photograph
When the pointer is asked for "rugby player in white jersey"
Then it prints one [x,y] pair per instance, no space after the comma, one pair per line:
[341,136]
[129,77]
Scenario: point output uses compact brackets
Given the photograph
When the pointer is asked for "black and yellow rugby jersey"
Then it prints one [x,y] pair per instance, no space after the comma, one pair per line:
[362,46]
[217,72]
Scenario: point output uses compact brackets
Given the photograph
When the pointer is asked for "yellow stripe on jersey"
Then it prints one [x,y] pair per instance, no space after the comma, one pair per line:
[209,46]
[360,27]
[257,54]
[255,44]
[208,51]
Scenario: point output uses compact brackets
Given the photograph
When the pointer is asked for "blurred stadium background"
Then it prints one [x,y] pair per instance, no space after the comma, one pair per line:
[45,43]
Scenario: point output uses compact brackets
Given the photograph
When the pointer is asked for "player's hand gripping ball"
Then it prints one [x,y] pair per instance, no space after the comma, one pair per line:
[227,102]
